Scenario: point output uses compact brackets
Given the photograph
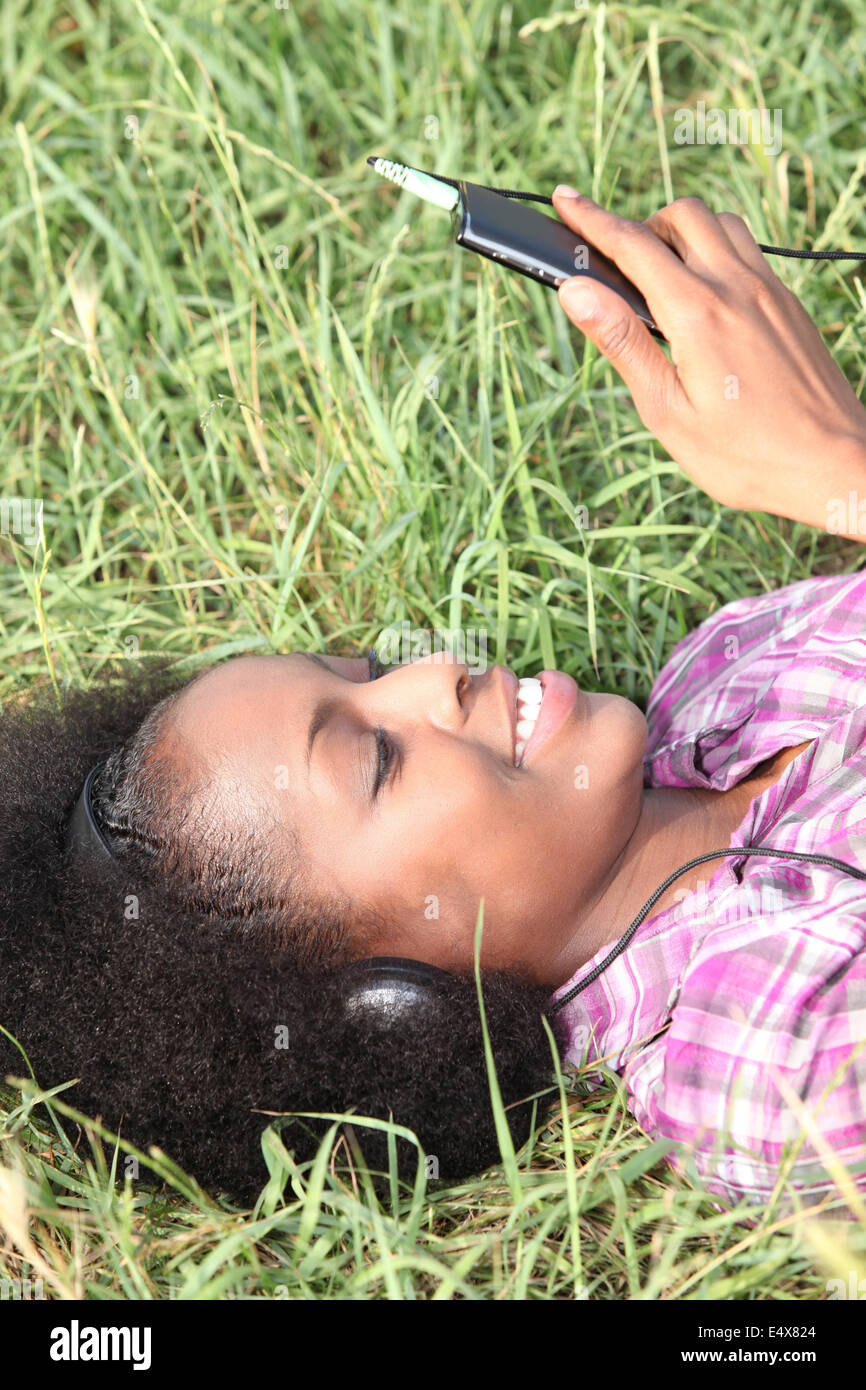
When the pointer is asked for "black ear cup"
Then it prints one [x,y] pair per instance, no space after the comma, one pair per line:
[389,985]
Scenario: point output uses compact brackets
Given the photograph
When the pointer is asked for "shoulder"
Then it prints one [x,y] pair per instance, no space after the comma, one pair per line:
[808,634]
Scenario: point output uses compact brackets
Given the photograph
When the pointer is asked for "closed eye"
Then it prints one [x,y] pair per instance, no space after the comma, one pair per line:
[387,751]
[384,746]
[387,757]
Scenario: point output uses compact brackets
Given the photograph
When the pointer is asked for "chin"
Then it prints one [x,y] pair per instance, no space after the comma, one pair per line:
[616,740]
[614,714]
[605,747]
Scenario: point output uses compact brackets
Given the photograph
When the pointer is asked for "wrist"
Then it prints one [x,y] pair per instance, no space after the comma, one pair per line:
[844,505]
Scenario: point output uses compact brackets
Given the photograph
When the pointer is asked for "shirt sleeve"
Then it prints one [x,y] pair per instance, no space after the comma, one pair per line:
[768,1019]
[793,651]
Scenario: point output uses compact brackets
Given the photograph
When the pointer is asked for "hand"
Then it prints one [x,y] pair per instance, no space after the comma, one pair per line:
[751,404]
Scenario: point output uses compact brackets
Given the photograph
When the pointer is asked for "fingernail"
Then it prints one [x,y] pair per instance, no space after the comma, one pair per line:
[565,190]
[579,298]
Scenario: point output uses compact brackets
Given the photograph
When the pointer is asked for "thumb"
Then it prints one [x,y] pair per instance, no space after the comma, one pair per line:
[618,333]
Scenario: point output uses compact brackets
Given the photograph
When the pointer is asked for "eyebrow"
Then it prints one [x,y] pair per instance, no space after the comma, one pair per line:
[323,711]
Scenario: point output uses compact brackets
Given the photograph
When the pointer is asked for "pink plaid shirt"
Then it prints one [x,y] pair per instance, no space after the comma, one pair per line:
[748,995]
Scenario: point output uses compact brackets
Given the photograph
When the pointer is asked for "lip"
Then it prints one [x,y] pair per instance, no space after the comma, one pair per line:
[512,687]
[558,699]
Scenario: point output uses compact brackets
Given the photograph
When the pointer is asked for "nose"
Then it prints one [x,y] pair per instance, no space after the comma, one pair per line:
[433,688]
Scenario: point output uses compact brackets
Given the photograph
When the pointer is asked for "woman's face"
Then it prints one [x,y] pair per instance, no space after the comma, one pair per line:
[424,819]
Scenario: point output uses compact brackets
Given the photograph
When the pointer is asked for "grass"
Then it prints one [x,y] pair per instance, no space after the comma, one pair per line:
[268,406]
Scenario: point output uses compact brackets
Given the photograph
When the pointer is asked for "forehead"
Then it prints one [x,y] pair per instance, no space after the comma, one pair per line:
[242,694]
[245,675]
[232,725]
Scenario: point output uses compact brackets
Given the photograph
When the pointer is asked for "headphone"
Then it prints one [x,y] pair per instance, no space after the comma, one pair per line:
[391,985]
[385,986]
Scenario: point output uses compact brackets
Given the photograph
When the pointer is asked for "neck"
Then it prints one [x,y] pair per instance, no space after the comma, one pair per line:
[676,824]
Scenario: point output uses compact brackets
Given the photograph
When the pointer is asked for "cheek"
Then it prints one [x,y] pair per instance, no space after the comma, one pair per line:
[605,753]
[415,846]
[581,806]
[455,824]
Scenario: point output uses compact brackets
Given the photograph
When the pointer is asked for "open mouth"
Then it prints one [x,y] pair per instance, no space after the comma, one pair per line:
[544,702]
[530,694]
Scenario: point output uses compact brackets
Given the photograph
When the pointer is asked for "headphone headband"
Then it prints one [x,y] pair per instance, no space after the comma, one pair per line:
[386,985]
[83,835]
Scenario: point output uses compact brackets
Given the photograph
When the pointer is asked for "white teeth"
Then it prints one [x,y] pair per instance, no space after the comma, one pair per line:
[529,697]
[529,689]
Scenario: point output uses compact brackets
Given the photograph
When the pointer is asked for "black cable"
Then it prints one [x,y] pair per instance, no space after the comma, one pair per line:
[543,198]
[815,255]
[713,854]
[701,859]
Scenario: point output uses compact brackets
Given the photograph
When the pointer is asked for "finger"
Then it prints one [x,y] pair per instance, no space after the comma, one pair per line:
[633,246]
[744,243]
[615,329]
[696,234]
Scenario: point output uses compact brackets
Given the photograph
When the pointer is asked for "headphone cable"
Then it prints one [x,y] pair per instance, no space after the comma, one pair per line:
[543,198]
[701,859]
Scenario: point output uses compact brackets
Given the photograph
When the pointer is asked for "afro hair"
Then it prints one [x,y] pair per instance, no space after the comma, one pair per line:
[181,1034]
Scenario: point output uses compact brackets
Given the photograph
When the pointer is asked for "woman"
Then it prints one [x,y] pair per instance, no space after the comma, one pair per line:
[323,817]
